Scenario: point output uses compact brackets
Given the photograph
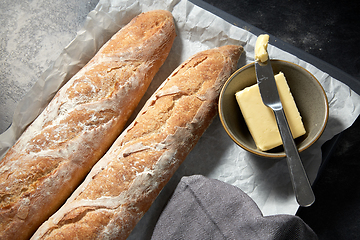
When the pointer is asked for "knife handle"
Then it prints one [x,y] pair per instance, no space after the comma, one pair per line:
[300,182]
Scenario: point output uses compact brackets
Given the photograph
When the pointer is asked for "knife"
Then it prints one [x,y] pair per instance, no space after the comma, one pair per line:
[270,96]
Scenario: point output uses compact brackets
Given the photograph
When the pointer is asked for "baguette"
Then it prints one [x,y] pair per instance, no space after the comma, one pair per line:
[127,179]
[88,113]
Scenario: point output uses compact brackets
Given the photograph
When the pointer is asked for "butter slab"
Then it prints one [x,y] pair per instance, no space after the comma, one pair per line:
[260,119]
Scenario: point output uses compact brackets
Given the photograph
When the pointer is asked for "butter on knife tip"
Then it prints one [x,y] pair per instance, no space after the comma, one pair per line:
[261,45]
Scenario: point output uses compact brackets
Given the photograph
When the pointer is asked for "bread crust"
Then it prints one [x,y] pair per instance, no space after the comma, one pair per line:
[123,184]
[59,148]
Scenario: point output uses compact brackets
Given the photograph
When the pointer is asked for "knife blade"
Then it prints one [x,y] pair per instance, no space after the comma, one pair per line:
[270,97]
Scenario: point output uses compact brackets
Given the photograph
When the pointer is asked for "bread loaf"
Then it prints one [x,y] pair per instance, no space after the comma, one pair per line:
[127,179]
[78,126]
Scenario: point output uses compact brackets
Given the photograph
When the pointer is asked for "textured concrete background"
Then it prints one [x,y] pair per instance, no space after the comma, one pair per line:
[32,35]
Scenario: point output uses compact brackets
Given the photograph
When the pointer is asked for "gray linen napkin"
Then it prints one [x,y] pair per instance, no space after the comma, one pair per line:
[203,208]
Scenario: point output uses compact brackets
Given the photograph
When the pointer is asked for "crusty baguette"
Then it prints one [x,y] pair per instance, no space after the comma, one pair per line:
[124,183]
[78,126]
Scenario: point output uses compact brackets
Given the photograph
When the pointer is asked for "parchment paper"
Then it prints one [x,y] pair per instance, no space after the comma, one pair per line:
[215,156]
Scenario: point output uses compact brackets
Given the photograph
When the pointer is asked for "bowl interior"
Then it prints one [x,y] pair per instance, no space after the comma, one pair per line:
[308,94]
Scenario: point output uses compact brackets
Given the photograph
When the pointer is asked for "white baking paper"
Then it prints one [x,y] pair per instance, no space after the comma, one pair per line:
[266,181]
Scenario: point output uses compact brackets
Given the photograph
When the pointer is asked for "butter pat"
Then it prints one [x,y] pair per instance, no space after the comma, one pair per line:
[261,48]
[260,119]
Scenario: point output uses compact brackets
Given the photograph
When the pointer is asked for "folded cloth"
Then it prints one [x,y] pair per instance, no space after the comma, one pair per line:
[203,208]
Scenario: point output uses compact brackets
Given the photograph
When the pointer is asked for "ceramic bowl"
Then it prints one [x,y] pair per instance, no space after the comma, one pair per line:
[308,94]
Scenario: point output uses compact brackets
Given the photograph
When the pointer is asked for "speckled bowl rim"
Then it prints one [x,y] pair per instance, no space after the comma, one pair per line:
[259,152]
